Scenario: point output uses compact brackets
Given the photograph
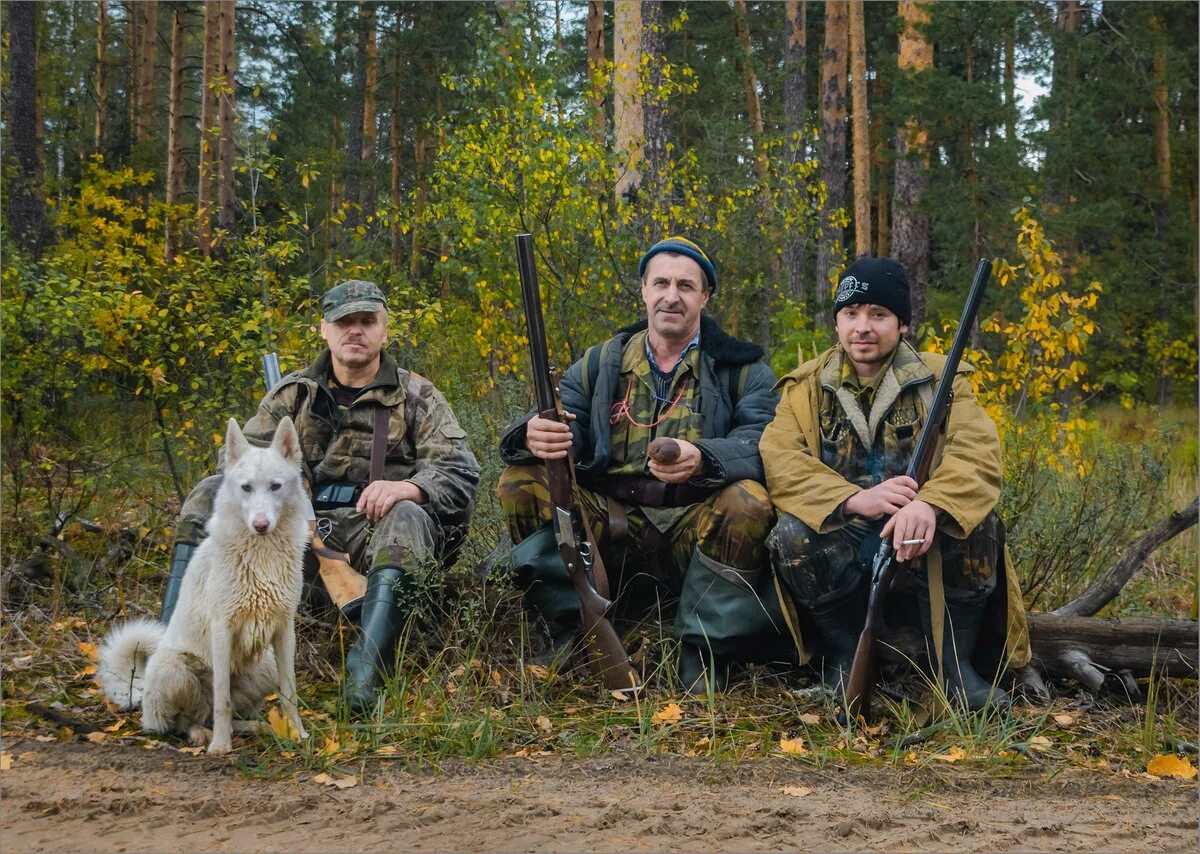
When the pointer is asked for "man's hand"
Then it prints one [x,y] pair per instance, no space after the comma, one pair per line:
[381,495]
[685,465]
[546,439]
[915,521]
[882,500]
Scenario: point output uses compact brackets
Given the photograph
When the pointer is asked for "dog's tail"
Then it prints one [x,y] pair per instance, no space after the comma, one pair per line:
[123,657]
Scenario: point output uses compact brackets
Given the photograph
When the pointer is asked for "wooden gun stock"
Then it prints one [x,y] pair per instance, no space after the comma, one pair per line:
[346,586]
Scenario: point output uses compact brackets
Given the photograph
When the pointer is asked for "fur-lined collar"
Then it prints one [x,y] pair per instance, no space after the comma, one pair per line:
[714,342]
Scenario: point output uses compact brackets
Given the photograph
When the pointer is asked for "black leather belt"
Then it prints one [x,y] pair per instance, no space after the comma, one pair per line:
[649,491]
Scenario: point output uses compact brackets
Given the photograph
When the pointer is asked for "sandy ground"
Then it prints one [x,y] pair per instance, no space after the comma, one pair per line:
[111,797]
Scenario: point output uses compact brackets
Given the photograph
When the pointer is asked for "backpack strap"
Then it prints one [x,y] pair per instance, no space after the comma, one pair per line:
[591,366]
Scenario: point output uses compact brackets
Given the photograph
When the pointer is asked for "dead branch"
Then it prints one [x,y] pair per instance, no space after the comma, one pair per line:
[1102,591]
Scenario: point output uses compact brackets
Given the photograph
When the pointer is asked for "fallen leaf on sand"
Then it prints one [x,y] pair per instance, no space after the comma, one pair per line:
[281,725]
[331,746]
[543,723]
[1170,765]
[340,782]
[191,751]
[120,723]
[90,670]
[810,719]
[668,714]
[5,761]
[1065,719]
[797,791]
[793,746]
[88,649]
[96,737]
[1039,742]
[620,696]
[954,754]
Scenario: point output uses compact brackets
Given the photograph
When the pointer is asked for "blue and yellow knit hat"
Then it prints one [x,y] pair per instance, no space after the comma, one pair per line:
[682,246]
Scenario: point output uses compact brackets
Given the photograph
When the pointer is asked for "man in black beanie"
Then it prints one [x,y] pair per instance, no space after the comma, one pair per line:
[835,457]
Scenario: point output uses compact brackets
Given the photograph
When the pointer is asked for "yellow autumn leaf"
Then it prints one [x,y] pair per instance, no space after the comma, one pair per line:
[1064,719]
[792,746]
[669,714]
[386,750]
[797,791]
[1170,765]
[620,696]
[6,761]
[954,754]
[90,670]
[1039,742]
[89,649]
[810,719]
[192,751]
[537,671]
[96,737]
[339,782]
[281,725]
[331,746]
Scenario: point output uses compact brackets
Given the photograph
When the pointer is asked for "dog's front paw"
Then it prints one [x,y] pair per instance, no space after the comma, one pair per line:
[216,747]
[198,735]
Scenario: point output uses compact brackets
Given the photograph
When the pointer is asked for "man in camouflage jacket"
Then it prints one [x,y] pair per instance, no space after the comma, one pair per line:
[702,520]
[401,529]
[836,454]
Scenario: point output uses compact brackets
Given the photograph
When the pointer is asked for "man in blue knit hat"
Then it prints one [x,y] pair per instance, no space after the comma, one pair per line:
[687,535]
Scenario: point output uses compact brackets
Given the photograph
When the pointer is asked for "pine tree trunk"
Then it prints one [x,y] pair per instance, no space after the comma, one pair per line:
[134,21]
[354,127]
[176,167]
[101,74]
[26,202]
[795,112]
[879,167]
[208,121]
[833,150]
[654,106]
[144,104]
[595,59]
[370,88]
[860,119]
[1010,85]
[628,118]
[910,225]
[421,147]
[227,151]
[397,232]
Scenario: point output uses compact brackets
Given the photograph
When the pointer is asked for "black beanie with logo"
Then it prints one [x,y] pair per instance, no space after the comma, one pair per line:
[875,281]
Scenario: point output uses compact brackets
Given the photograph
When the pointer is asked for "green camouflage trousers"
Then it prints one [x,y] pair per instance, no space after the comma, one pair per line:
[407,537]
[730,527]
[816,567]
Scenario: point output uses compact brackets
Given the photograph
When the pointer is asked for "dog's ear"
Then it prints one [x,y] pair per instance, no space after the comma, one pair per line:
[287,441]
[235,442]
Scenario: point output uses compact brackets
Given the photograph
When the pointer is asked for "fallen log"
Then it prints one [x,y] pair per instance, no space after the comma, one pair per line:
[1092,650]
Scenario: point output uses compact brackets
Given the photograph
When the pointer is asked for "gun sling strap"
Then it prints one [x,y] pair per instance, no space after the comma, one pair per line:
[379,442]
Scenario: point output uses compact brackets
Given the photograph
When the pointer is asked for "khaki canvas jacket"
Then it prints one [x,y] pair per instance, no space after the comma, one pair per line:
[964,480]
[425,443]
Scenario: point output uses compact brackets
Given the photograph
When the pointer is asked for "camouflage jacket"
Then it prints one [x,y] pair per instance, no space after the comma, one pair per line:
[425,444]
[737,400]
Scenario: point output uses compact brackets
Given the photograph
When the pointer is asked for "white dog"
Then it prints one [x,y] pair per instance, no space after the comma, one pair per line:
[238,597]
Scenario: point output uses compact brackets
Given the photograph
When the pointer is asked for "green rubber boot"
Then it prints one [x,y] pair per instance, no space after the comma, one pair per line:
[180,559]
[380,625]
[839,617]
[963,684]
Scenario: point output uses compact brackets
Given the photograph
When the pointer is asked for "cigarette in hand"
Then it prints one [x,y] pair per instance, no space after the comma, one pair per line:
[919,542]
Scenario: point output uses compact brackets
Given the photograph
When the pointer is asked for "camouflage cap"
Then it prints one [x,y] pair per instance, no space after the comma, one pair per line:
[350,297]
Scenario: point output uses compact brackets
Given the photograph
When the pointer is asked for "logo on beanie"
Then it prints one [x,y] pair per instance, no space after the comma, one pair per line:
[848,287]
